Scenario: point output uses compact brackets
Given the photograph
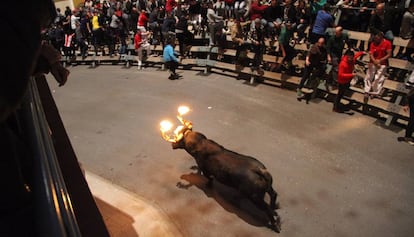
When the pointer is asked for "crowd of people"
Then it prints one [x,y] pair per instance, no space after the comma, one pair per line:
[113,24]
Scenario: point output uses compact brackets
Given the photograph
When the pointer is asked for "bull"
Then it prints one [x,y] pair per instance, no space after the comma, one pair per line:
[244,173]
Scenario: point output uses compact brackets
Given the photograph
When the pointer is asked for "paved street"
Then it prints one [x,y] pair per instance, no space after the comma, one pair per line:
[336,174]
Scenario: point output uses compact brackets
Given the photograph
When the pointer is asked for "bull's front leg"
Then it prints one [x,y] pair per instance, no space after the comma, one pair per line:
[209,178]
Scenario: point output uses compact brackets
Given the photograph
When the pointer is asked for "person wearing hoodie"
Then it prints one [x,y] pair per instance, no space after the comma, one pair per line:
[345,75]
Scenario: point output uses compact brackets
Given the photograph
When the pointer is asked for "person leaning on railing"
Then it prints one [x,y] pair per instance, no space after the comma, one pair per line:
[27,56]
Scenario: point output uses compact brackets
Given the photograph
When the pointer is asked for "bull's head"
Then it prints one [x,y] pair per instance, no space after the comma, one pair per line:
[177,135]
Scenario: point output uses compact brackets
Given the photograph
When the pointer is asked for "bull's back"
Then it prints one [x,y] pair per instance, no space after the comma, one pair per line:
[235,170]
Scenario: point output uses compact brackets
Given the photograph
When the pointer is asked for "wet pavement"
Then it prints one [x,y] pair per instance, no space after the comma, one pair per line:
[336,174]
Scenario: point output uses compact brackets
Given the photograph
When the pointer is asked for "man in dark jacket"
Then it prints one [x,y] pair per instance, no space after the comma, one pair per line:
[315,63]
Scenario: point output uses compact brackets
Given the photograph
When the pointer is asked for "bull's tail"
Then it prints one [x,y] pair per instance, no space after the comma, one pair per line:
[269,188]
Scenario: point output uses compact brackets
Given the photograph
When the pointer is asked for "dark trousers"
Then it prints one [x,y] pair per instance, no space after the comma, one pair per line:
[240,48]
[410,126]
[184,39]
[171,65]
[290,53]
[342,88]
[317,71]
[258,55]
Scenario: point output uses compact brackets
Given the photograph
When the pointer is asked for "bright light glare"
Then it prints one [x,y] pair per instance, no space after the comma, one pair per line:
[183,110]
[166,125]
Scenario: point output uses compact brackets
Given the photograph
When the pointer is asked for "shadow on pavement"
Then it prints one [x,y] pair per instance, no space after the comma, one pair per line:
[229,198]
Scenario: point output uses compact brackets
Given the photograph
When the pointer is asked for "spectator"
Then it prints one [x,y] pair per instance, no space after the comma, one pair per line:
[285,48]
[142,21]
[151,5]
[323,20]
[379,52]
[315,7]
[303,17]
[272,17]
[126,14]
[141,44]
[220,8]
[184,36]
[257,36]
[38,57]
[59,17]
[57,37]
[350,15]
[74,19]
[407,30]
[409,105]
[170,5]
[335,46]
[345,75]
[256,11]
[229,9]
[154,26]
[97,32]
[171,61]
[315,62]
[241,9]
[115,27]
[80,41]
[85,25]
[133,19]
[383,20]
[215,23]
[365,14]
[141,5]
[238,38]
[168,28]
[289,13]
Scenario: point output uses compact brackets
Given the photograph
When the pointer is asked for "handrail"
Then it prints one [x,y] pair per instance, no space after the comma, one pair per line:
[54,213]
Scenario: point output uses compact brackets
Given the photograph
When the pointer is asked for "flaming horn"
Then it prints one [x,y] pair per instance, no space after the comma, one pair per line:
[177,134]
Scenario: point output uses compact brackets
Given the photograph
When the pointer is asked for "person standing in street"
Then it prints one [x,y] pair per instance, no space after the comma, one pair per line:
[380,50]
[171,61]
[345,75]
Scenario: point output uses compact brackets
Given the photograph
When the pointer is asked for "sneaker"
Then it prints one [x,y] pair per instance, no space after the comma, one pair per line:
[411,143]
[405,139]
[299,92]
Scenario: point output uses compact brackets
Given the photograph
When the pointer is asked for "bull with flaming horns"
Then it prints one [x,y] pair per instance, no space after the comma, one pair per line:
[244,173]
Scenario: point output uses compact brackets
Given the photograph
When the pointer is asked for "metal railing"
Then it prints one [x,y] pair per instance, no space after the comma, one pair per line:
[54,215]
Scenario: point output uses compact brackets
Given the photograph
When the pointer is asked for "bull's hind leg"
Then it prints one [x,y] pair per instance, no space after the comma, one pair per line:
[260,203]
[273,196]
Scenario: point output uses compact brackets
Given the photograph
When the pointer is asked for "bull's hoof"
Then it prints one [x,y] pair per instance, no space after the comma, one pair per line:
[276,228]
[275,206]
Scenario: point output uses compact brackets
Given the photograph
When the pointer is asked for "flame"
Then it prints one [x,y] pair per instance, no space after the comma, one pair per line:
[176,135]
[183,110]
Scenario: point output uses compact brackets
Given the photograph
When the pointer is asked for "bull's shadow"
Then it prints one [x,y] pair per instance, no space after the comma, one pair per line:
[229,198]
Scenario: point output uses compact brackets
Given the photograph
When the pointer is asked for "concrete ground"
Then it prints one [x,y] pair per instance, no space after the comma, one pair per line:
[336,174]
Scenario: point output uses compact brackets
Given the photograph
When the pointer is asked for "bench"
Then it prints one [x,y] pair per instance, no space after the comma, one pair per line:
[205,57]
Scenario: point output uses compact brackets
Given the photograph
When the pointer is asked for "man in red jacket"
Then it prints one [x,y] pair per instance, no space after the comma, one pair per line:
[345,75]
